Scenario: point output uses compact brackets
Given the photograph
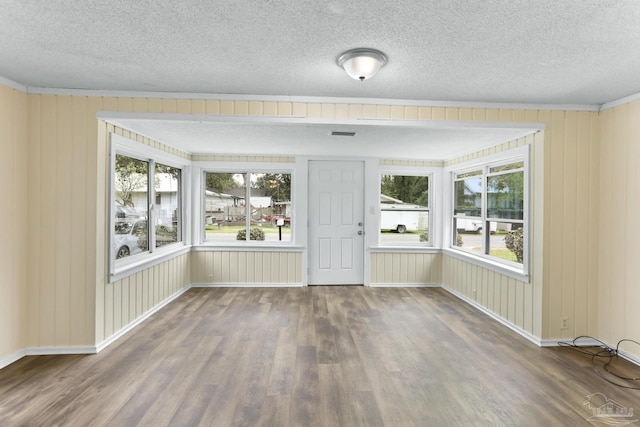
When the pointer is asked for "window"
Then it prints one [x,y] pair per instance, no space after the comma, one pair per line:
[147,204]
[247,206]
[489,211]
[131,206]
[404,209]
[167,190]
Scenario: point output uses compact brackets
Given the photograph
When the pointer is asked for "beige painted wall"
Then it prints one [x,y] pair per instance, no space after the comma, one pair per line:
[618,296]
[67,209]
[14,253]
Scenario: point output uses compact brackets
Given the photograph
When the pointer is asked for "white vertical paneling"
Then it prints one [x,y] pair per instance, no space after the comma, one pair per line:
[527,308]
[404,268]
[246,267]
[518,303]
[511,300]
[117,305]
[233,267]
[266,264]
[131,297]
[251,267]
[242,275]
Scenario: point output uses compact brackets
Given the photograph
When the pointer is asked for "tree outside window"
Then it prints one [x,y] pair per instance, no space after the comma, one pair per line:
[404,209]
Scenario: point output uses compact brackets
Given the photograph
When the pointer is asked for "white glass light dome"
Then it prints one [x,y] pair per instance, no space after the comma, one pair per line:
[362,64]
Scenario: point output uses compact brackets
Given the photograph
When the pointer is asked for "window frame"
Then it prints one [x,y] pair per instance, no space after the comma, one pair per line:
[519,154]
[120,145]
[202,168]
[428,172]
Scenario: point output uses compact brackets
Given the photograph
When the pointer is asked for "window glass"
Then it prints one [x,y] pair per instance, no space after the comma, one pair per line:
[271,205]
[168,194]
[505,195]
[468,194]
[505,203]
[404,209]
[264,211]
[132,204]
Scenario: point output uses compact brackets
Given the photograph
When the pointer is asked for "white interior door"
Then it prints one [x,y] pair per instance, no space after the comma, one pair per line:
[336,216]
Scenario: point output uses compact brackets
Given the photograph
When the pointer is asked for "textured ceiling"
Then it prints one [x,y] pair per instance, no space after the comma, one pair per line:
[580,53]
[583,52]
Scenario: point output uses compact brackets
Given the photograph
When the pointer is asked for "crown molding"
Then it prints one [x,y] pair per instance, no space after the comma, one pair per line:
[312,99]
[316,99]
[618,102]
[13,84]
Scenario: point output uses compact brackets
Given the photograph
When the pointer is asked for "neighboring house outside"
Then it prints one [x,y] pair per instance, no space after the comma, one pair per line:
[166,198]
[230,206]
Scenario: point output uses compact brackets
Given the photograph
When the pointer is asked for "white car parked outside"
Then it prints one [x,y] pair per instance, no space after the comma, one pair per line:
[127,233]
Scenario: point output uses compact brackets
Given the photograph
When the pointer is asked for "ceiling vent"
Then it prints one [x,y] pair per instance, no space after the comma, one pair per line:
[339,133]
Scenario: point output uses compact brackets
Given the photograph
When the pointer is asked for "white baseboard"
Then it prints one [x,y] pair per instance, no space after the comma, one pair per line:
[629,357]
[6,361]
[537,341]
[46,351]
[404,285]
[586,342]
[591,342]
[246,285]
[52,351]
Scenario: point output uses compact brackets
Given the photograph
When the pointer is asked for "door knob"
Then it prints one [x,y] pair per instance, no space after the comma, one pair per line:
[360,232]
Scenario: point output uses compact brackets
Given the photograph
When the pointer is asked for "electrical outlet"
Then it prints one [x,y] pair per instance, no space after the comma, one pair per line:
[474,293]
[564,322]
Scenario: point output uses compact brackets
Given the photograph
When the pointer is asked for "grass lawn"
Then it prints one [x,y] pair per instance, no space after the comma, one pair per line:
[501,253]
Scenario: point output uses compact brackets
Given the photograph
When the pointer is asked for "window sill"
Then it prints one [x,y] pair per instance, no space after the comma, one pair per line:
[498,267]
[145,262]
[208,247]
[405,248]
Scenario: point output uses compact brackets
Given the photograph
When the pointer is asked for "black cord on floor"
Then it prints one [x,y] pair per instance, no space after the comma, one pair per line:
[605,352]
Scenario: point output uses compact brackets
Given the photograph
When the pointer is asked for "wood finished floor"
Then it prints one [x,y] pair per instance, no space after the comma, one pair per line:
[316,356]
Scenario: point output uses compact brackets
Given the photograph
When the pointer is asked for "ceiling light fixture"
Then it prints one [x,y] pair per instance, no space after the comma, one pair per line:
[363,63]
